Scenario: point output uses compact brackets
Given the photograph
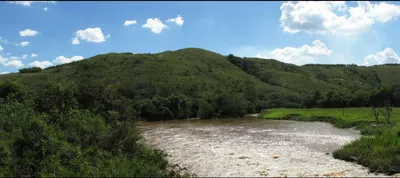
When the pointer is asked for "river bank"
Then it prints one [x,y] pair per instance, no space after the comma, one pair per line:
[378,148]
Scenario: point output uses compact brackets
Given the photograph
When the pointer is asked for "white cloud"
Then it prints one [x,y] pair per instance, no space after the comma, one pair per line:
[41,64]
[323,17]
[178,20]
[1,48]
[75,40]
[300,55]
[155,25]
[28,3]
[63,60]
[386,56]
[3,59]
[2,73]
[28,32]
[13,63]
[33,55]
[108,36]
[94,35]
[46,8]
[24,56]
[25,43]
[130,22]
[10,63]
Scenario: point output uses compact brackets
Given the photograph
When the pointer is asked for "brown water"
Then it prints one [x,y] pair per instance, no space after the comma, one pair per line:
[253,147]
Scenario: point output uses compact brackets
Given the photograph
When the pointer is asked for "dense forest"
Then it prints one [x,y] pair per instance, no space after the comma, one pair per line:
[78,119]
[71,131]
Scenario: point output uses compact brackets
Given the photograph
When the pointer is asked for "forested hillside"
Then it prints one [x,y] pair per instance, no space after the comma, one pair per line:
[199,82]
[194,82]
[328,85]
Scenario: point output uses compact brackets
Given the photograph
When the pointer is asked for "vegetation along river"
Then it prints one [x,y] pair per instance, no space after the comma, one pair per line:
[253,147]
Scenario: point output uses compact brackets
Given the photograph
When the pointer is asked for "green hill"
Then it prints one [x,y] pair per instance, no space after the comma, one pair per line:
[215,85]
[206,78]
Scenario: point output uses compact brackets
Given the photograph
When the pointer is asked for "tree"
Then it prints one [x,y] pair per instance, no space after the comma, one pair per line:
[375,112]
[11,91]
[387,111]
[206,111]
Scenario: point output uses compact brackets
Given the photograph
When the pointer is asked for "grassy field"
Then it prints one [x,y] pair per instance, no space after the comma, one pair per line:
[380,153]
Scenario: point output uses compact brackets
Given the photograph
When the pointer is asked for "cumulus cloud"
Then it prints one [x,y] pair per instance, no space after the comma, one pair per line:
[14,63]
[1,48]
[46,8]
[93,35]
[25,43]
[178,20]
[130,22]
[2,73]
[323,17]
[41,64]
[33,55]
[155,25]
[28,3]
[28,32]
[299,55]
[63,60]
[388,55]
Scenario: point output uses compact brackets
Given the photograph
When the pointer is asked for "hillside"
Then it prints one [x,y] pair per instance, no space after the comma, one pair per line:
[320,77]
[202,76]
[214,85]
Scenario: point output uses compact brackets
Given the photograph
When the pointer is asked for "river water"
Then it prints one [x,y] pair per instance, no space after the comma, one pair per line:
[253,147]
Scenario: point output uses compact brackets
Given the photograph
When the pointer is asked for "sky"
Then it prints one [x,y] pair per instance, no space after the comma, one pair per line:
[46,33]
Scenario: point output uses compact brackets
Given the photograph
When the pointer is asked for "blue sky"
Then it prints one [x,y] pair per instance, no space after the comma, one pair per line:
[363,33]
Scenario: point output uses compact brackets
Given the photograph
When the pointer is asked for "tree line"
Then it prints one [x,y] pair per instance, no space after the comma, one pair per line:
[359,98]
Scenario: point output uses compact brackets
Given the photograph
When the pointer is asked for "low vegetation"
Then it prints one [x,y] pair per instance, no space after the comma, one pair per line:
[378,149]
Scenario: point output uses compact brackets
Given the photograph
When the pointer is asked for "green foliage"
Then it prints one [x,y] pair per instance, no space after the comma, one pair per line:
[30,70]
[11,91]
[160,108]
[379,153]
[150,79]
[57,132]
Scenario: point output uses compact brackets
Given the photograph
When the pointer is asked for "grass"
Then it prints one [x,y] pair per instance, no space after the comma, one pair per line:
[380,153]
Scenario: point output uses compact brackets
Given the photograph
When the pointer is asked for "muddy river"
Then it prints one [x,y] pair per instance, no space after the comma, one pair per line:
[253,147]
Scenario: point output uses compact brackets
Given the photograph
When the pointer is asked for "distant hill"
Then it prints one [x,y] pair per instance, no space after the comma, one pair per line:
[213,84]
